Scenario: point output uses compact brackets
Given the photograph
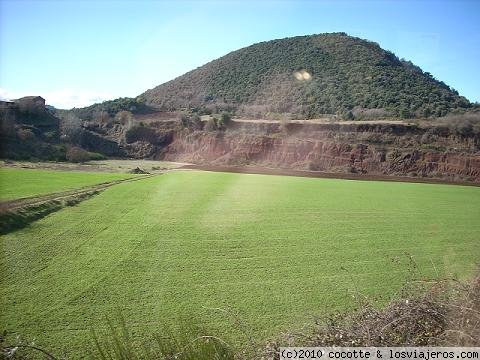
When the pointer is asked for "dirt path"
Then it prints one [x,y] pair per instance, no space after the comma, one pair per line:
[172,116]
[110,165]
[318,174]
[16,214]
[324,121]
[10,205]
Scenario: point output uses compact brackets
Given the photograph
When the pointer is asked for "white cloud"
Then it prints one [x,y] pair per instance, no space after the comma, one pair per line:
[62,99]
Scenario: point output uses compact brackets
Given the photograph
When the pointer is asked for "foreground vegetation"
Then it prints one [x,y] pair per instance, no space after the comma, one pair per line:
[244,254]
[442,312]
[20,183]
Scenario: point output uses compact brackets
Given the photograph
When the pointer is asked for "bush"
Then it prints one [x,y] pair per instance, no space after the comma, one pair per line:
[97,156]
[211,125]
[193,121]
[76,154]
[25,134]
[225,119]
[70,127]
[348,116]
[283,126]
[223,122]
[124,117]
[101,117]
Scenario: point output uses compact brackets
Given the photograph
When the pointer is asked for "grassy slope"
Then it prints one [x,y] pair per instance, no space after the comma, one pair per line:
[19,183]
[270,247]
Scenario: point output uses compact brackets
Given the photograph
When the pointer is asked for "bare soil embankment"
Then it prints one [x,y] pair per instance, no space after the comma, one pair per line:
[390,148]
[325,175]
[376,150]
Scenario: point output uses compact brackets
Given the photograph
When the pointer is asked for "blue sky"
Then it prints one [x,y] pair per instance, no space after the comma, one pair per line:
[75,53]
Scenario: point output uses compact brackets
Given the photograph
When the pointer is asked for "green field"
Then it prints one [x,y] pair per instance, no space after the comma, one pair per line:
[275,249]
[20,183]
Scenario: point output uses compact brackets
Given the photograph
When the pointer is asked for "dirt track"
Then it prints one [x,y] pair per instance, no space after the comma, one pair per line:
[317,174]
[29,201]
[324,121]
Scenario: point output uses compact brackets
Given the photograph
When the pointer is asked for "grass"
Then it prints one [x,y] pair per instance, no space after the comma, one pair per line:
[275,250]
[20,183]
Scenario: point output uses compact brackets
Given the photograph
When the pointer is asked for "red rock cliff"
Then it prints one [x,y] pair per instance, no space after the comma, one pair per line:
[369,149]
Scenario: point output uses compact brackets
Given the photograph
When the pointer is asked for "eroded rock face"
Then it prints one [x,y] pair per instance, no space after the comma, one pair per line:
[140,149]
[92,141]
[368,150]
[375,149]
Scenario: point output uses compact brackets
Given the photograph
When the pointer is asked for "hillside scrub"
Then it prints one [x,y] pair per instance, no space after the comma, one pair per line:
[76,154]
[442,312]
[467,124]
[110,108]
[346,74]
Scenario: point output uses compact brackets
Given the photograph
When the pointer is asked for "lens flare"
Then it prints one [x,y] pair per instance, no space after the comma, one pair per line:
[306,75]
[302,75]
[298,75]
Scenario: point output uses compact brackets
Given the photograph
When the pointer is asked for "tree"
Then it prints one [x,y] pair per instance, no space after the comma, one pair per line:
[427,112]
[7,123]
[405,113]
[349,115]
[225,118]
[125,118]
[70,127]
[193,121]
[184,120]
[224,121]
[101,117]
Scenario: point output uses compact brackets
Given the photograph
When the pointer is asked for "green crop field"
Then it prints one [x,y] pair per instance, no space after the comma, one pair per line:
[20,183]
[274,249]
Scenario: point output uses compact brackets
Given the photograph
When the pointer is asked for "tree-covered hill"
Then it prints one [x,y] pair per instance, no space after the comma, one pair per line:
[110,108]
[308,76]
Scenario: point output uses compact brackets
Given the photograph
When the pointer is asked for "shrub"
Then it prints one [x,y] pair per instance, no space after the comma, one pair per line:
[76,154]
[25,134]
[124,117]
[101,117]
[211,125]
[196,122]
[348,116]
[225,119]
[283,126]
[97,156]
[70,127]
[193,121]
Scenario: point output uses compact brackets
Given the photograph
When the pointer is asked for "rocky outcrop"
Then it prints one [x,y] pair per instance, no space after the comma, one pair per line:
[92,141]
[367,149]
[31,104]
